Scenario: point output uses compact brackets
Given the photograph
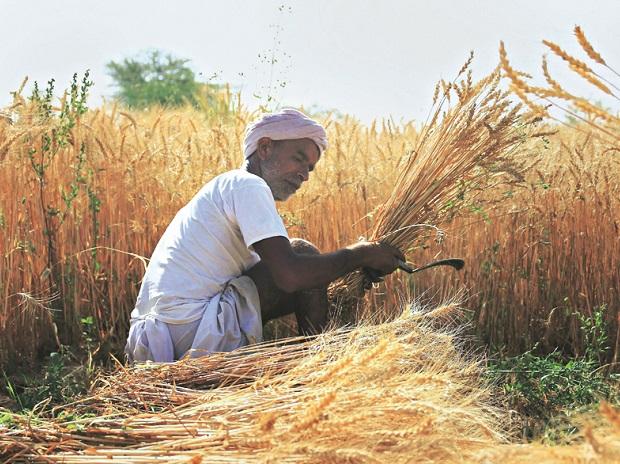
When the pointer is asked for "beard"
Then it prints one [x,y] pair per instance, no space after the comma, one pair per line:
[281,189]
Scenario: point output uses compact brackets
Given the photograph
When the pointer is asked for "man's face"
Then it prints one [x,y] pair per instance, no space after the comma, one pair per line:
[286,164]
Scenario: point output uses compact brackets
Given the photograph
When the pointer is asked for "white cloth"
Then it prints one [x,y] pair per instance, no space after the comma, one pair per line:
[288,124]
[231,320]
[206,246]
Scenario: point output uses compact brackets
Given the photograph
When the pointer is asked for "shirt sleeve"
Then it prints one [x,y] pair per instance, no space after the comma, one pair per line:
[256,214]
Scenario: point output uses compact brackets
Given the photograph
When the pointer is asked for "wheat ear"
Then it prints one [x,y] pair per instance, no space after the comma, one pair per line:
[576,65]
[587,46]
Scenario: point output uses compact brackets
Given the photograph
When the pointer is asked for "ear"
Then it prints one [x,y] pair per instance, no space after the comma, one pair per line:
[264,148]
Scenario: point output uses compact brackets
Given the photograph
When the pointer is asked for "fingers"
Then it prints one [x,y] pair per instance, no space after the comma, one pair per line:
[373,275]
[400,256]
[380,256]
[405,266]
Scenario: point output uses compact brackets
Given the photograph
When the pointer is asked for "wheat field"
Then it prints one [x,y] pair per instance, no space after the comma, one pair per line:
[75,238]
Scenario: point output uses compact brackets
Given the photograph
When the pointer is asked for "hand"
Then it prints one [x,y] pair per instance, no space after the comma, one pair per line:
[378,256]
[370,278]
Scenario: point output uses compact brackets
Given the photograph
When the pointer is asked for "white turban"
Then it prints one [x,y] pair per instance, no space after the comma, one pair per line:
[288,124]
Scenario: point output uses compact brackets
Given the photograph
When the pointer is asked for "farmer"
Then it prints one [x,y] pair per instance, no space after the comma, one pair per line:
[225,265]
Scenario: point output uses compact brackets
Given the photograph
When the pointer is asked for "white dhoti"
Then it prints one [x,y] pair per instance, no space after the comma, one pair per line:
[231,319]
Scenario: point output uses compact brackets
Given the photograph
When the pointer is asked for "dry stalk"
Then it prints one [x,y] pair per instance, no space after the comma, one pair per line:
[446,165]
[408,388]
[602,121]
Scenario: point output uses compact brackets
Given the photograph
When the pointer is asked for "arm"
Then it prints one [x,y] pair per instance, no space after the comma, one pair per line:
[292,272]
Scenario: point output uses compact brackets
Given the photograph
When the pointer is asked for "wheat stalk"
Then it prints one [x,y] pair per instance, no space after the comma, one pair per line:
[556,91]
[409,392]
[476,131]
[589,49]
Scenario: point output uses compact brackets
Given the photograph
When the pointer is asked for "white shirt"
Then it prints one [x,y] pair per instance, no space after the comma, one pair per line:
[207,244]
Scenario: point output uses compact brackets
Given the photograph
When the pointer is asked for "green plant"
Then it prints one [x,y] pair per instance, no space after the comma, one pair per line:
[59,381]
[61,377]
[547,384]
[6,419]
[42,152]
[595,333]
[547,389]
[10,389]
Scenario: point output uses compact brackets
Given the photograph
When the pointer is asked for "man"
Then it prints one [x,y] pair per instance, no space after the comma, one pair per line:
[225,265]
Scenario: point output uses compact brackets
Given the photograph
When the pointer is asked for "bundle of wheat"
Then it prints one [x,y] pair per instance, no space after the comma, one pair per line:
[377,393]
[463,143]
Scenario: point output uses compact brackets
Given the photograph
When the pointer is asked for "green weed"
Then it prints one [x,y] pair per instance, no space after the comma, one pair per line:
[60,381]
[549,390]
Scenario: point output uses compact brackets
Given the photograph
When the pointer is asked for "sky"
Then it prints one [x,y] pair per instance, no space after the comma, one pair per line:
[370,59]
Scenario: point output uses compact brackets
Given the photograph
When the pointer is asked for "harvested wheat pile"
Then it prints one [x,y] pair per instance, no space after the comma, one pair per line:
[396,392]
[391,392]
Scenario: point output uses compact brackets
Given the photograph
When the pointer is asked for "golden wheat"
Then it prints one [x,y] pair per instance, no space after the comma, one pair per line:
[587,47]
[599,119]
[478,131]
[279,412]
[513,226]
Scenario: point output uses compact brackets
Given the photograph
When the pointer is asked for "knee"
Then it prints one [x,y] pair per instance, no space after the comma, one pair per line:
[302,246]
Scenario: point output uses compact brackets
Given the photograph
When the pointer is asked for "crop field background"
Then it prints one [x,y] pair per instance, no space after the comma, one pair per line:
[80,212]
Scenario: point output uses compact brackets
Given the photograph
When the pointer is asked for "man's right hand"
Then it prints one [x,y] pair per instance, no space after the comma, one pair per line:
[378,256]
[293,271]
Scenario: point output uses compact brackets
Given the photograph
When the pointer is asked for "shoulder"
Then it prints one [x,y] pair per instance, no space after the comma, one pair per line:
[239,179]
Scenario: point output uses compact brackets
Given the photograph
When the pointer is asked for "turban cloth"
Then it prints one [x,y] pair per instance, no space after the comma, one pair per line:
[288,124]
